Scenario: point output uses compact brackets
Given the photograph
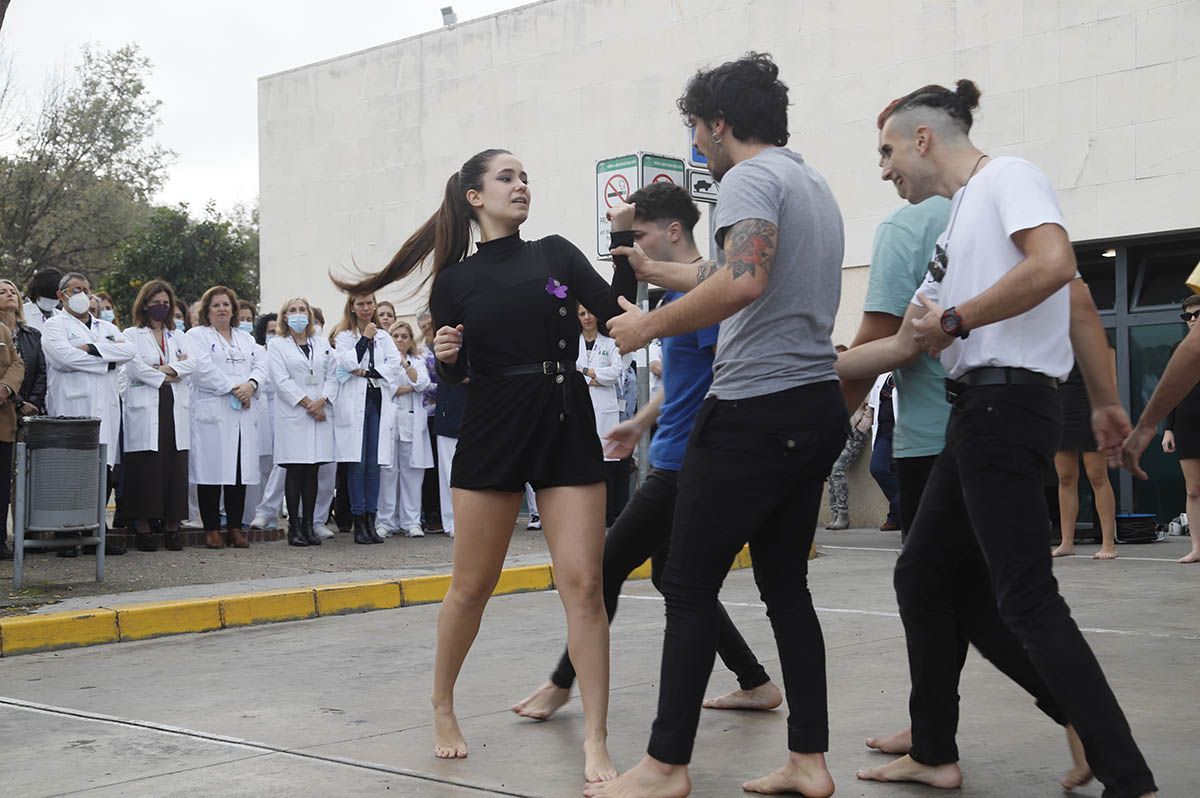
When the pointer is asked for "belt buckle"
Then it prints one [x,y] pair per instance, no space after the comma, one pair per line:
[953,391]
[549,367]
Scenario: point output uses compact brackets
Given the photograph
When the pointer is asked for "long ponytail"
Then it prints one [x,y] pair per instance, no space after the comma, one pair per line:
[446,235]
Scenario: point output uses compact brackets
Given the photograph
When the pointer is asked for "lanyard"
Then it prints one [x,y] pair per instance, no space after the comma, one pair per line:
[309,355]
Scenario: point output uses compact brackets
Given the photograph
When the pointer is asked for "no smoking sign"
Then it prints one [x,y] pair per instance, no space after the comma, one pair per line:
[618,178]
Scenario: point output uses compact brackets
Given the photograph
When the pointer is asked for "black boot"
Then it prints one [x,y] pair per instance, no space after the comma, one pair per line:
[173,540]
[306,531]
[371,533]
[360,530]
[144,541]
[294,536]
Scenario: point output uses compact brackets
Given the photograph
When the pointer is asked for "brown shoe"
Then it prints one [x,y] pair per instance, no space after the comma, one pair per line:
[213,539]
[237,538]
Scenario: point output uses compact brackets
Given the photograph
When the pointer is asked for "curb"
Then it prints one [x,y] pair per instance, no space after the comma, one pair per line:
[29,634]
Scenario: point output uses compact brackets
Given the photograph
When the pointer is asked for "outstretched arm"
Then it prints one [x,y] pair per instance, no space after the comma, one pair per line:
[869,360]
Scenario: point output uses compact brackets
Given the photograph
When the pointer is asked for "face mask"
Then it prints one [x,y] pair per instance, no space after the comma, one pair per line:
[179,325]
[298,322]
[78,303]
[108,315]
[318,329]
[159,312]
[246,327]
[47,303]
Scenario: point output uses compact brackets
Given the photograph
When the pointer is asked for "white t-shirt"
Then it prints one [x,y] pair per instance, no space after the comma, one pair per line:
[1006,196]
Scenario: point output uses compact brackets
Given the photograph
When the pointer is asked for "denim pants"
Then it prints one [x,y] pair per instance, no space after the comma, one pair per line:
[362,478]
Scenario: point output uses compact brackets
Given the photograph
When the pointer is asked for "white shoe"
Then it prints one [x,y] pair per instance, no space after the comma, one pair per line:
[260,522]
[383,531]
[190,524]
[448,533]
[323,532]
[535,521]
[414,531]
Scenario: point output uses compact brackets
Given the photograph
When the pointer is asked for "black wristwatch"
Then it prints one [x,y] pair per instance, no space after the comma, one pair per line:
[952,324]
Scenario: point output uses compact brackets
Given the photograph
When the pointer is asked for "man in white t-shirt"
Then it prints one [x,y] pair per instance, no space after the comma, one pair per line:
[996,308]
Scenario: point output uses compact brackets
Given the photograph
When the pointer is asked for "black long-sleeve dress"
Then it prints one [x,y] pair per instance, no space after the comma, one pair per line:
[517,301]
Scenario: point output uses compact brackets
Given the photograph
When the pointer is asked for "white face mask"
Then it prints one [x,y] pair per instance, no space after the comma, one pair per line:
[108,315]
[318,329]
[246,327]
[47,303]
[78,303]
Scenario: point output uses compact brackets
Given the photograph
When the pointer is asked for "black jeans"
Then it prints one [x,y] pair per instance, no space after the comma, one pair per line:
[616,482]
[1000,440]
[912,474]
[643,532]
[300,491]
[754,471]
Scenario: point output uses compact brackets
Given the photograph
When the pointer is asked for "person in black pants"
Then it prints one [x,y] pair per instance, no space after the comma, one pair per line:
[1003,331]
[882,470]
[768,433]
[664,216]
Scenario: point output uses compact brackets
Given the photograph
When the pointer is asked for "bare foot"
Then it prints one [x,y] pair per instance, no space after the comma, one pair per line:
[543,702]
[448,741]
[945,777]
[1192,556]
[1080,772]
[1063,550]
[1106,553]
[648,779]
[899,743]
[764,697]
[597,765]
[804,774]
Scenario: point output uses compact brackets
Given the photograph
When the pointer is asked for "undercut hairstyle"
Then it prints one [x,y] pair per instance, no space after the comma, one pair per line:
[207,300]
[44,284]
[957,105]
[1191,302]
[746,93]
[666,202]
[139,314]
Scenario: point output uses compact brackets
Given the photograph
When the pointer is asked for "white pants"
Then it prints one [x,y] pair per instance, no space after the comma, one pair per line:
[400,492]
[446,447]
[531,499]
[193,503]
[257,493]
[326,482]
[270,506]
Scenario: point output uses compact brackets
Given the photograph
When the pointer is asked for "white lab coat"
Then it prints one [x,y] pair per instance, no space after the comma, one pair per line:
[873,403]
[33,316]
[301,438]
[141,382]
[349,409]
[80,384]
[410,409]
[217,427]
[609,366]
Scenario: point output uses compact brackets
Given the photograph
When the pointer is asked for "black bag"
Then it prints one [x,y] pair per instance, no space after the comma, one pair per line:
[1139,528]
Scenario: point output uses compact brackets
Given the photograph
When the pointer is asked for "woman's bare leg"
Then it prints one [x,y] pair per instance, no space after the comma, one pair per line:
[573,520]
[483,525]
[1067,466]
[1096,467]
[1191,478]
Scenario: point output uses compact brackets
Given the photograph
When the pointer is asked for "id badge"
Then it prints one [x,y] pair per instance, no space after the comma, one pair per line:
[311,379]
[374,383]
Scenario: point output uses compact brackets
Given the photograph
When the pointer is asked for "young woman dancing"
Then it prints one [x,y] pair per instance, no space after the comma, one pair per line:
[506,317]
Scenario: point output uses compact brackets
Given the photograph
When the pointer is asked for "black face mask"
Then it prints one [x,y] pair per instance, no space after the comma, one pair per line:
[159,312]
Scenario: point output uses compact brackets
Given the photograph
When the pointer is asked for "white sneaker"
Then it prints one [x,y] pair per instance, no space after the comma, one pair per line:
[259,522]
[190,524]
[448,533]
[323,532]
[414,531]
[535,521]
[383,531]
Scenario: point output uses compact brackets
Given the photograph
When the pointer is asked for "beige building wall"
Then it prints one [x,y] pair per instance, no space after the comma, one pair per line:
[355,151]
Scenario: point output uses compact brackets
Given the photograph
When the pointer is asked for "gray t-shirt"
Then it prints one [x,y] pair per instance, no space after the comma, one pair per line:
[783,338]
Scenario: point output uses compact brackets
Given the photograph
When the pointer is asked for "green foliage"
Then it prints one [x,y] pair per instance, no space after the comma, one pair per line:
[192,255]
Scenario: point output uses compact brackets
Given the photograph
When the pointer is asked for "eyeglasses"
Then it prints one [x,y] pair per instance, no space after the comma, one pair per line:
[939,264]
[1195,314]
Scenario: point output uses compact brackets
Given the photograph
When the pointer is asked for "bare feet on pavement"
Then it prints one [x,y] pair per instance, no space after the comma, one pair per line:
[597,765]
[1080,772]
[1063,550]
[647,779]
[1191,556]
[448,741]
[804,774]
[1106,553]
[899,743]
[946,777]
[764,697]
[543,702]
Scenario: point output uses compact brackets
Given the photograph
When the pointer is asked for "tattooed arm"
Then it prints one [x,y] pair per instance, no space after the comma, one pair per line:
[720,291]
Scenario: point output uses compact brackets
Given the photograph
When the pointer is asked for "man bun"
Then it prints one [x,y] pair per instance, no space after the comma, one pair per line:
[968,92]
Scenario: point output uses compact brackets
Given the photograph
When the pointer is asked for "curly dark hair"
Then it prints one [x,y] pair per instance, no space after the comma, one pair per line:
[746,93]
[666,202]
[957,104]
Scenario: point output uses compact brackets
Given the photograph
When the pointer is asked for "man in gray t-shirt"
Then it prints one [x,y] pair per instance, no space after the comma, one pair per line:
[770,429]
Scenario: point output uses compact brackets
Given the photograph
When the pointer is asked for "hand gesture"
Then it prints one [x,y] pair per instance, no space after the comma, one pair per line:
[370,330]
[1132,451]
[637,259]
[626,329]
[622,439]
[244,393]
[446,344]
[620,216]
[1110,425]
[927,330]
[1168,442]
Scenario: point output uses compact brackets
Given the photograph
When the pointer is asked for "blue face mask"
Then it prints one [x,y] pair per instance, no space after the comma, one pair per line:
[108,315]
[246,327]
[298,322]
[179,325]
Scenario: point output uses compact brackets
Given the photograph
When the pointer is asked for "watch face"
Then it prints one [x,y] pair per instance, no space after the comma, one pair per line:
[951,323]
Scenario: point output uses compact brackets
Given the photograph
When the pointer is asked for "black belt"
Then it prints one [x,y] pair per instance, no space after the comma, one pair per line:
[996,375]
[546,368]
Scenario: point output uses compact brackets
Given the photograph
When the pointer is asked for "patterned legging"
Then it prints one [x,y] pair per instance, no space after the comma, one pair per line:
[839,486]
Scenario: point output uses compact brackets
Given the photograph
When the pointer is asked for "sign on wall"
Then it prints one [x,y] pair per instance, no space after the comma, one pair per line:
[617,178]
[701,185]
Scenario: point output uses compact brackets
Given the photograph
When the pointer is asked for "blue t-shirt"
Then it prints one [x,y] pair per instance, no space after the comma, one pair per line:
[687,362]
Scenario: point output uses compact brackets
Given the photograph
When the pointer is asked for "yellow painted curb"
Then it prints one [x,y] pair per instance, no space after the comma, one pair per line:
[424,589]
[140,621]
[276,605]
[357,597]
[524,580]
[29,633]
[641,572]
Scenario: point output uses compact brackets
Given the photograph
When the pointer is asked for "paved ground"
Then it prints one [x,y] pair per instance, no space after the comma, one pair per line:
[339,706]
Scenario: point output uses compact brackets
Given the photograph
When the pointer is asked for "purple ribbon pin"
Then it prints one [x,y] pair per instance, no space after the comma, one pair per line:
[556,289]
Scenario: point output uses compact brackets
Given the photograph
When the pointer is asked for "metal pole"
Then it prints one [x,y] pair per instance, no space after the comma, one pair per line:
[19,507]
[102,504]
[643,389]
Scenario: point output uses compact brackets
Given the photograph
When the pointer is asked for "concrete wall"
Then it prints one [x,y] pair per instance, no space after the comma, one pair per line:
[354,152]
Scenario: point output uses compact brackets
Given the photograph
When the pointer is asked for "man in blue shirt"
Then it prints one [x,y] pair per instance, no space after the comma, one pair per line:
[663,216]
